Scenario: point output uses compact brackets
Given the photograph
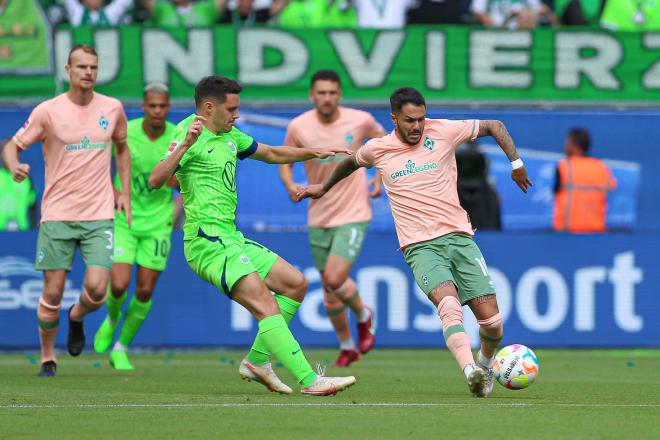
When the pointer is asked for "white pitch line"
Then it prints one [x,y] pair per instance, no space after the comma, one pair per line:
[331,405]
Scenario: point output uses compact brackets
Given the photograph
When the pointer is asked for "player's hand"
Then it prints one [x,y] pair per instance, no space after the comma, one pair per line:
[194,130]
[312,192]
[519,176]
[322,154]
[124,205]
[294,190]
[377,189]
[21,172]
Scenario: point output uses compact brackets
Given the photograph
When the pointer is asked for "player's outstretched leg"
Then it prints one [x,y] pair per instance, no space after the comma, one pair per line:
[254,295]
[48,318]
[458,342]
[136,313]
[490,333]
[336,311]
[106,332]
[91,298]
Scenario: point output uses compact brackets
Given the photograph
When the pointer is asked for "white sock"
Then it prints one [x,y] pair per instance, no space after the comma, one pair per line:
[118,347]
[469,368]
[484,361]
[348,344]
[364,316]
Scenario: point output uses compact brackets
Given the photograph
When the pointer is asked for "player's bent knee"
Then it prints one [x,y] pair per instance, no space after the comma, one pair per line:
[333,282]
[297,289]
[92,300]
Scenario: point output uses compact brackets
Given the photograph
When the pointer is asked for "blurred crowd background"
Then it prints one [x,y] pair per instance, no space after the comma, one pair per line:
[621,15]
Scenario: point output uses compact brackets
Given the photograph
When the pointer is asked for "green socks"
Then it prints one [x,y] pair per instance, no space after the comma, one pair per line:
[278,339]
[136,313]
[114,306]
[259,353]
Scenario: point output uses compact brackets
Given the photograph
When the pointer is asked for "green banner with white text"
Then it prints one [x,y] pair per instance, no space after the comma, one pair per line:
[457,64]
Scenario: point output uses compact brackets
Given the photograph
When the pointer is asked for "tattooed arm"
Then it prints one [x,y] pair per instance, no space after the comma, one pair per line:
[345,168]
[498,130]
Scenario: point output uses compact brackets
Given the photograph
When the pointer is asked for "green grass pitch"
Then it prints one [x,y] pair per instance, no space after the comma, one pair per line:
[580,394]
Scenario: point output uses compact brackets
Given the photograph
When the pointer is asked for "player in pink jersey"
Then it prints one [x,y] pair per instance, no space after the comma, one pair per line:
[338,222]
[418,166]
[76,129]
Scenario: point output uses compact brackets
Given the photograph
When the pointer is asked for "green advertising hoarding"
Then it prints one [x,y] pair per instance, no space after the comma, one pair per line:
[446,63]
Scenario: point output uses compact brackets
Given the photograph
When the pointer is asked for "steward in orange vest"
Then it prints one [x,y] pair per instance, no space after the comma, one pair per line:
[581,188]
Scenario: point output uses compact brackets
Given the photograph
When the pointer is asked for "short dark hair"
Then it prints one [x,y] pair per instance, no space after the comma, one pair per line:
[403,96]
[85,48]
[581,138]
[325,75]
[215,87]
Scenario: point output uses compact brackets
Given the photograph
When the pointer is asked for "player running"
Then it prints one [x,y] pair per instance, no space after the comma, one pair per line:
[419,173]
[203,153]
[77,129]
[147,241]
[337,223]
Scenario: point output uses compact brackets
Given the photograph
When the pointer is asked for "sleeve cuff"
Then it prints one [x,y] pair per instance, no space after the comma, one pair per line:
[249,151]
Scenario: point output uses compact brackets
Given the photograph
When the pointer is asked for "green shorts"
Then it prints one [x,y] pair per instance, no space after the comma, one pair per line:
[344,241]
[147,250]
[452,257]
[57,242]
[222,261]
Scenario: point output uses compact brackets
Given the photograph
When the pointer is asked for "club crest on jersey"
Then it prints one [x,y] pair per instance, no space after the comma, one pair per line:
[232,147]
[429,143]
[349,138]
[103,122]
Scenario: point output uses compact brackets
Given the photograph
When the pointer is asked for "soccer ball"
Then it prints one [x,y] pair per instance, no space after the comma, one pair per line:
[516,367]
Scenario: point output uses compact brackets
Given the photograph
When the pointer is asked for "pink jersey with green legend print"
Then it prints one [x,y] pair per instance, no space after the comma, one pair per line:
[348,202]
[420,180]
[76,143]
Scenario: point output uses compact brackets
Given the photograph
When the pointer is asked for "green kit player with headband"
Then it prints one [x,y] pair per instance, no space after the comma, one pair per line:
[203,153]
[147,241]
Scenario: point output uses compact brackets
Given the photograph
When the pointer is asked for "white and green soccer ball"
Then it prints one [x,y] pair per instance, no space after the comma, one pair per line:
[516,367]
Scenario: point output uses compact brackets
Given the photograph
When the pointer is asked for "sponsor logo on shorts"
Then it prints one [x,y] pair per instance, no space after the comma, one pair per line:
[425,280]
[41,255]
[119,250]
[245,259]
[104,123]
[412,168]
[85,144]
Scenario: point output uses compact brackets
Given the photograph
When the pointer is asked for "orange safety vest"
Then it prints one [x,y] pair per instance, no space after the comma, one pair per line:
[581,202]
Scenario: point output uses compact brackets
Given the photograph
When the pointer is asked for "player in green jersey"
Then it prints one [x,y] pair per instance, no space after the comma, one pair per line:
[147,241]
[203,153]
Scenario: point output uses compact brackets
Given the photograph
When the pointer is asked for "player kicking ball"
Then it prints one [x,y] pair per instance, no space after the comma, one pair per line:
[203,153]
[147,241]
[418,166]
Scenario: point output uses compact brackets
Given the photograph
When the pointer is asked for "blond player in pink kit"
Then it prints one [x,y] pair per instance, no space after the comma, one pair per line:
[418,165]
[338,222]
[76,129]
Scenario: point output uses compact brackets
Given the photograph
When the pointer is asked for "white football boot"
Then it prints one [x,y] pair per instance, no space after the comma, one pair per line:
[263,374]
[327,386]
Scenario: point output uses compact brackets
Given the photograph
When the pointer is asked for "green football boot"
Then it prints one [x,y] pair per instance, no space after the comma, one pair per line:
[119,360]
[105,334]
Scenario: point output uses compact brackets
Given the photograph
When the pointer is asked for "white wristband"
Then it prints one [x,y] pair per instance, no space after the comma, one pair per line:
[518,163]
